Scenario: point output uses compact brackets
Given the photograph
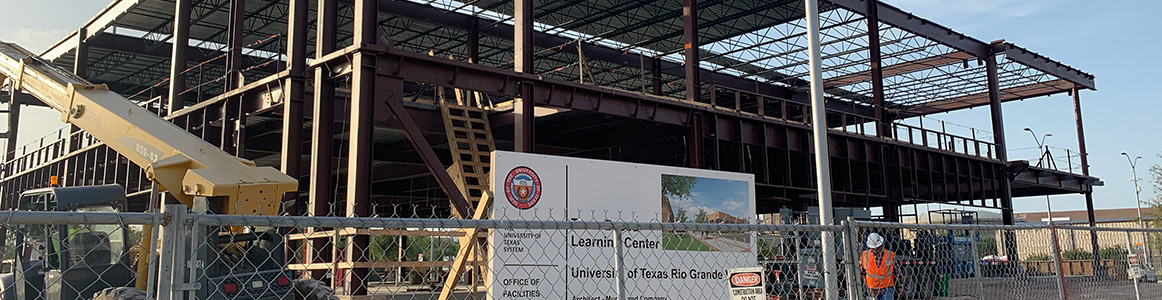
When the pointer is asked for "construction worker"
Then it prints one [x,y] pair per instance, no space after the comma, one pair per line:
[878,267]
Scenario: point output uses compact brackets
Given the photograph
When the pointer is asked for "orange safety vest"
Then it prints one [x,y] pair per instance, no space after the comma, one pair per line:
[879,273]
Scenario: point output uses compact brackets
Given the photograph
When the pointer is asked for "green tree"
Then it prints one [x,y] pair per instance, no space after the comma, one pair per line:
[702,216]
[681,217]
[1154,215]
[386,248]
[764,249]
[433,248]
[678,186]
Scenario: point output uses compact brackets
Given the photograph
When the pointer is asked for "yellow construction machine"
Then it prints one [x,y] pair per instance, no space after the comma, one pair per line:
[187,167]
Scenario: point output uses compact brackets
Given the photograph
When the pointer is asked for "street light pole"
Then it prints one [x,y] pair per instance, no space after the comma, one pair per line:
[1138,201]
[1040,145]
[1041,148]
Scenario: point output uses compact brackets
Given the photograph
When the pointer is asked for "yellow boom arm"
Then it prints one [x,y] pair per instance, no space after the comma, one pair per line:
[178,161]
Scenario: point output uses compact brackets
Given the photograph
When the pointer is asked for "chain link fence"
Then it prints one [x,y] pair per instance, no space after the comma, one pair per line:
[594,255]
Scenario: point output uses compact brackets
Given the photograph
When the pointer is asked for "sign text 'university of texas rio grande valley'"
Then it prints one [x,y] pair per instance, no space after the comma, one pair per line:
[580,264]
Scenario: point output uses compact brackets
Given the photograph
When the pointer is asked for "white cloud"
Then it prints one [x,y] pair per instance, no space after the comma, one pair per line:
[731,205]
[689,206]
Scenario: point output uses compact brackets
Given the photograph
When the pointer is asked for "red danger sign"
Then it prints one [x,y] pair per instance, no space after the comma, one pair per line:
[746,279]
[747,284]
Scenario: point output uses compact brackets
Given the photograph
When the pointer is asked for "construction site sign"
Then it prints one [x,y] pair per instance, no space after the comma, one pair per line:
[581,264]
[747,284]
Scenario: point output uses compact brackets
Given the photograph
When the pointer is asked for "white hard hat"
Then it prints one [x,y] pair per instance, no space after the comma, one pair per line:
[874,240]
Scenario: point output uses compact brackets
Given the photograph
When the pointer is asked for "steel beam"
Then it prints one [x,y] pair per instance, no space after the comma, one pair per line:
[293,98]
[93,27]
[523,137]
[436,16]
[1044,64]
[395,103]
[690,46]
[925,28]
[178,59]
[139,46]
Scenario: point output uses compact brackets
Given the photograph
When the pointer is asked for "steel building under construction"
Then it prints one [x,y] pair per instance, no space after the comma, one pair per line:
[392,107]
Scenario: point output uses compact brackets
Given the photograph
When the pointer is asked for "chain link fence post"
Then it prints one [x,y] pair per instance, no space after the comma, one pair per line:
[976,259]
[618,242]
[1057,262]
[1133,277]
[152,232]
[171,271]
[850,242]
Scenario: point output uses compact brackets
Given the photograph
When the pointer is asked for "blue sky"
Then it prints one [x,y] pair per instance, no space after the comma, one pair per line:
[1114,40]
[728,196]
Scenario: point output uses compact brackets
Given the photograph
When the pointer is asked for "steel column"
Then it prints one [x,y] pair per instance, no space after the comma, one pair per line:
[226,135]
[292,105]
[1084,157]
[1005,193]
[10,189]
[361,140]
[231,112]
[323,119]
[178,59]
[474,41]
[81,68]
[693,89]
[81,54]
[694,143]
[690,45]
[715,143]
[14,104]
[292,111]
[523,45]
[998,128]
[891,213]
[656,76]
[877,73]
[234,44]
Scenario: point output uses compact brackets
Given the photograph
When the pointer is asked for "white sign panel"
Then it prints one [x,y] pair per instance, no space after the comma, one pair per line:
[581,264]
[747,284]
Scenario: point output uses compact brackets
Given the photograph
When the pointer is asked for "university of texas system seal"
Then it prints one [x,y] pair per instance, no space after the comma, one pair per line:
[522,187]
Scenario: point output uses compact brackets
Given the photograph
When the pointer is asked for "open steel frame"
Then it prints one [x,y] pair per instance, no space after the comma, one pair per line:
[342,94]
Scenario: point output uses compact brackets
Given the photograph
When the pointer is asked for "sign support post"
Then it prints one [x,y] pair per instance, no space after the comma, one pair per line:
[822,165]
